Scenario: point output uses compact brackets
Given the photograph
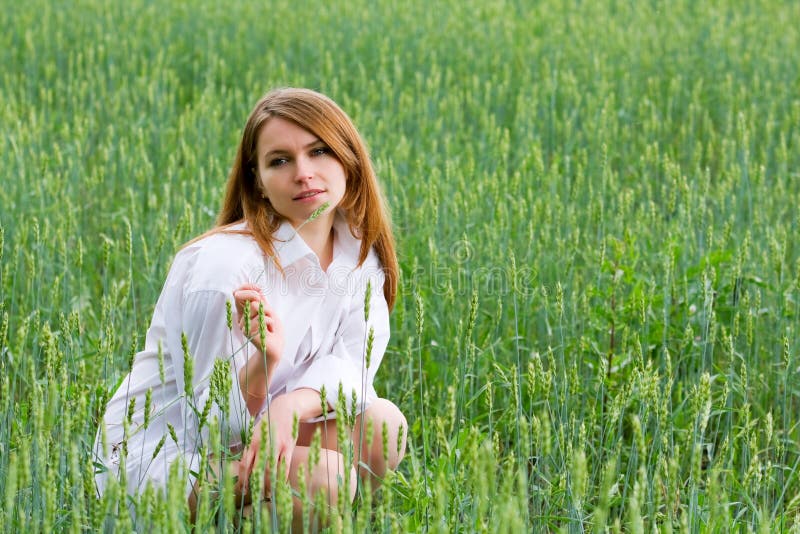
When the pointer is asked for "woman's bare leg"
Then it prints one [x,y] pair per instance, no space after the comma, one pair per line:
[321,479]
[369,447]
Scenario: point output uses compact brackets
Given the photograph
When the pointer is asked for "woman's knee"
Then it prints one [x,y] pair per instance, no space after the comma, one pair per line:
[390,429]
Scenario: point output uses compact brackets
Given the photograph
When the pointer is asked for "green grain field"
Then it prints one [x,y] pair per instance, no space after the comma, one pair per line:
[596,206]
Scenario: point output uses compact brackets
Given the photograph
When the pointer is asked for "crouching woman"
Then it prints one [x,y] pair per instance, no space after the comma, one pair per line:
[267,324]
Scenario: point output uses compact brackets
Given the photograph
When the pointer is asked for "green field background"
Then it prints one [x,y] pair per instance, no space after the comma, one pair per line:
[596,207]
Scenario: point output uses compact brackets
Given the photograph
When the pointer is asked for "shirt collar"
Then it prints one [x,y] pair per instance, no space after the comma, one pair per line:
[290,247]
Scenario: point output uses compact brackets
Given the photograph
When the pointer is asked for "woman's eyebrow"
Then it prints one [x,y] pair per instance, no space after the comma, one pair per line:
[274,151]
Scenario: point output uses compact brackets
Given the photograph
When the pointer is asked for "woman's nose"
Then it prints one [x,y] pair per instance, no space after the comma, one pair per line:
[304,170]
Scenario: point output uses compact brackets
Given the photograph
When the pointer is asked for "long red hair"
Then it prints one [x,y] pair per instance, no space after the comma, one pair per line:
[363,204]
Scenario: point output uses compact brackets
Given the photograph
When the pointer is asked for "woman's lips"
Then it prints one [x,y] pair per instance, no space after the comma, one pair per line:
[308,195]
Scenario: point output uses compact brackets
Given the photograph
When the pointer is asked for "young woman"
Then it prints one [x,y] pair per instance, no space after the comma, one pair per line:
[302,258]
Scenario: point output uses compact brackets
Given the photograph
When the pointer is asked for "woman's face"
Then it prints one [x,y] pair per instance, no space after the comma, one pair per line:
[297,171]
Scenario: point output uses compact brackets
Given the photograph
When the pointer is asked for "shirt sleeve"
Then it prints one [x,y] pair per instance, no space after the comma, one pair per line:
[346,363]
[208,339]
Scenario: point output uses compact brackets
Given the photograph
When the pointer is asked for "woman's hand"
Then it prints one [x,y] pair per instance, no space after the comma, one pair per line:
[254,376]
[273,328]
[280,436]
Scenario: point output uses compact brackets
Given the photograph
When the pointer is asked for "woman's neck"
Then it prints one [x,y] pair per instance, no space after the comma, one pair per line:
[318,235]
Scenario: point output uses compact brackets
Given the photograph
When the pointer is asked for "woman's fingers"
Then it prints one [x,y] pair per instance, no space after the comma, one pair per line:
[286,460]
[242,296]
[285,445]
[245,469]
[255,300]
[250,296]
[270,326]
[247,293]
[254,287]
[252,308]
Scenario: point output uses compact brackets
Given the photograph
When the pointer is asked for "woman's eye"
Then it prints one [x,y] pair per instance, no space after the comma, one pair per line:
[277,162]
[321,150]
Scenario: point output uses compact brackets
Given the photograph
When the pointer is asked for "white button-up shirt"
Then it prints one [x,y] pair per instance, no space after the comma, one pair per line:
[325,338]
